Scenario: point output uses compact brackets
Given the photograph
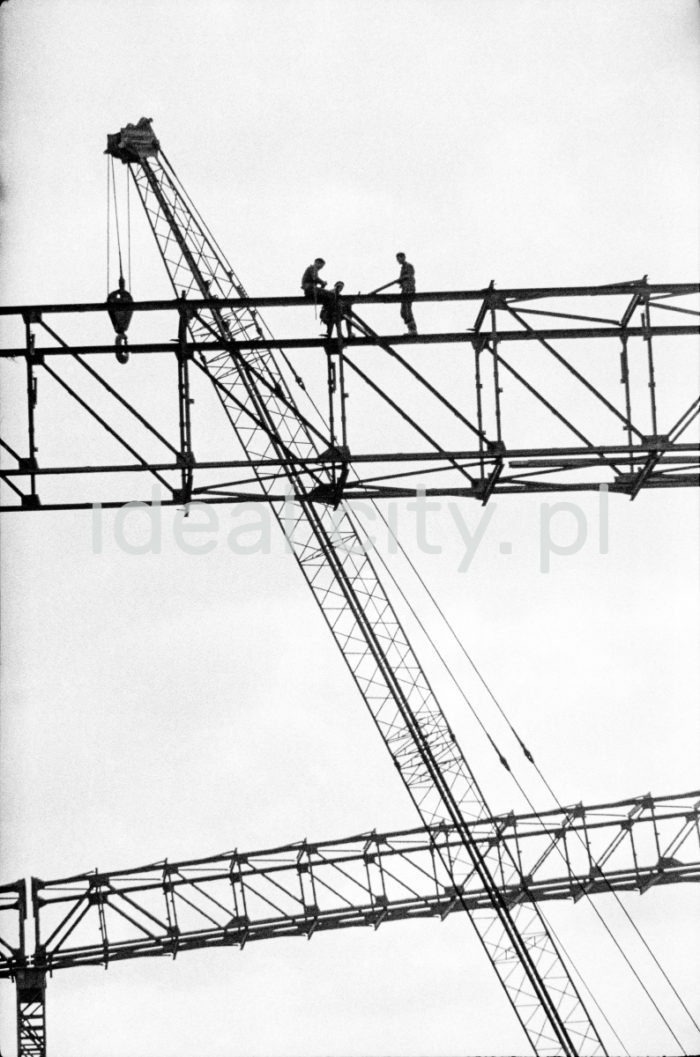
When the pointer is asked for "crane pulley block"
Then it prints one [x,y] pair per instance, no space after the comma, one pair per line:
[119,308]
[120,312]
[133,143]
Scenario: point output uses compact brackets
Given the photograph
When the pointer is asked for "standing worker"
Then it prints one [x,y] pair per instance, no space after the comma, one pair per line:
[407,282]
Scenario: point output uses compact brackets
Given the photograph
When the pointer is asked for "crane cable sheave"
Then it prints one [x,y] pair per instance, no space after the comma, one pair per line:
[133,143]
[120,312]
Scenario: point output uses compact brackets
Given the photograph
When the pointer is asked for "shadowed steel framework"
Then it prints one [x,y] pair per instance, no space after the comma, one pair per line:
[473,438]
[368,880]
[605,397]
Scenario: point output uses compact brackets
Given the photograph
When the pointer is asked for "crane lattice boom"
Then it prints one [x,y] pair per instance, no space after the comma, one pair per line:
[330,553]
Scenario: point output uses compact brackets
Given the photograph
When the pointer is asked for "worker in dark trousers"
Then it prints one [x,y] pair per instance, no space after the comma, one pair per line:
[315,290]
[407,282]
[333,308]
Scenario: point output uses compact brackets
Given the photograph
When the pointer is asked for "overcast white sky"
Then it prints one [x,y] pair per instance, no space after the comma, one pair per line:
[172,705]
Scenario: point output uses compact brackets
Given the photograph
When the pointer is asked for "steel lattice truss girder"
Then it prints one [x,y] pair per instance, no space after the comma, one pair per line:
[365,880]
[656,453]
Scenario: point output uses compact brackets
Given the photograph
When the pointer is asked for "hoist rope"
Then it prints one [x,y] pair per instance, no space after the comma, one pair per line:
[603,876]
[524,749]
[116,221]
[128,221]
[528,755]
[476,670]
[108,203]
[233,278]
[471,707]
[629,918]
[504,762]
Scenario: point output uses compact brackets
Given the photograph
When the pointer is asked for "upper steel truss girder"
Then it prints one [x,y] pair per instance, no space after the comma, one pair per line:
[365,880]
[374,645]
[502,461]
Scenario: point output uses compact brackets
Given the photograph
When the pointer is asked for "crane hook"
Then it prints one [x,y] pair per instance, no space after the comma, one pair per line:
[121,348]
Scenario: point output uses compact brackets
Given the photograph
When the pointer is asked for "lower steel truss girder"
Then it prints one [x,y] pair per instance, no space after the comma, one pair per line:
[380,475]
[367,880]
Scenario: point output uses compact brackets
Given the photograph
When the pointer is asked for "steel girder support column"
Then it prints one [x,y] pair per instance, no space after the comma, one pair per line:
[31,1013]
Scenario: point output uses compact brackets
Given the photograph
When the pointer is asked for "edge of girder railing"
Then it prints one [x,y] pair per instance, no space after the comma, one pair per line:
[487,294]
[654,456]
[369,879]
[446,338]
[647,461]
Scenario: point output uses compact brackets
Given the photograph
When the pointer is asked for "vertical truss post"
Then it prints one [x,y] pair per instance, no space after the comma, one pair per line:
[185,456]
[31,1013]
[625,380]
[337,417]
[332,386]
[336,381]
[342,395]
[33,358]
[478,385]
[646,324]
[496,380]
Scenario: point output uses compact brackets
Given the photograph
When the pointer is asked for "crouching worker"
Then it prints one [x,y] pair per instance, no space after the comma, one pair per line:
[312,284]
[332,310]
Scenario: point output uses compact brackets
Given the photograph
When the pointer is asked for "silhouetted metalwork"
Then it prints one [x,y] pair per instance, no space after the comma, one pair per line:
[366,880]
[31,1013]
[469,442]
[13,910]
[256,397]
[539,417]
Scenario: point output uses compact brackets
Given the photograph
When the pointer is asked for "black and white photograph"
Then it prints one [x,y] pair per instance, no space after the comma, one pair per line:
[349,528]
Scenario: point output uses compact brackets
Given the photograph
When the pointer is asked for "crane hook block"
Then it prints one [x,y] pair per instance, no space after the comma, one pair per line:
[119,308]
[120,312]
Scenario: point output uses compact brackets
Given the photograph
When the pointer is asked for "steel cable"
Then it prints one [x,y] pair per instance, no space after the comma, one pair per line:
[518,784]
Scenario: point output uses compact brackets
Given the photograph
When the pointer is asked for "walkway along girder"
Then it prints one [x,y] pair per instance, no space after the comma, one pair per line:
[567,450]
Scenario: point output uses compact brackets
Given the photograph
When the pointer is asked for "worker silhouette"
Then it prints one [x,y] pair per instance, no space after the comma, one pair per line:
[313,285]
[333,308]
[315,290]
[407,282]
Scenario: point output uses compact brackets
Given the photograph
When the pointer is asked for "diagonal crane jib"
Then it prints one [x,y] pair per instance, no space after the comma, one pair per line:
[389,677]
